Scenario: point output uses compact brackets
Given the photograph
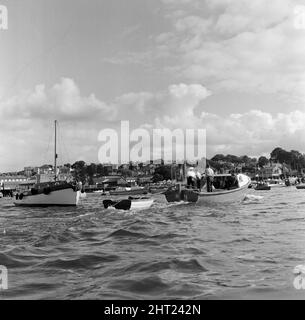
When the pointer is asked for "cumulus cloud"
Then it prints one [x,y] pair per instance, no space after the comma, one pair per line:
[26,122]
[245,46]
[63,102]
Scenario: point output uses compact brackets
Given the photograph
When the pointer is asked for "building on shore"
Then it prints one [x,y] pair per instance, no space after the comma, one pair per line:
[9,184]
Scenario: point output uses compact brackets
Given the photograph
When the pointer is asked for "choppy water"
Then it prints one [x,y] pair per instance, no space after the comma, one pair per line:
[246,250]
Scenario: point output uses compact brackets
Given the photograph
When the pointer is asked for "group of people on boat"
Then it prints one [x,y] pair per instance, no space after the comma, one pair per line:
[197,180]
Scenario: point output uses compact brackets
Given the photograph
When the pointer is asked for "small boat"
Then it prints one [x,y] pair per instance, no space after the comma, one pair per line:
[54,193]
[129,204]
[226,188]
[276,183]
[132,191]
[158,189]
[301,186]
[262,187]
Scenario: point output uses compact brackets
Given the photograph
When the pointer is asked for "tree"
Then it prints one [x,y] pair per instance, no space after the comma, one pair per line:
[164,171]
[91,171]
[157,178]
[219,157]
[80,171]
[262,161]
[281,155]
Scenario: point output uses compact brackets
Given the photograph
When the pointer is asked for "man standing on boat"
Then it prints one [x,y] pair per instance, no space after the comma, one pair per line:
[191,177]
[198,179]
[209,173]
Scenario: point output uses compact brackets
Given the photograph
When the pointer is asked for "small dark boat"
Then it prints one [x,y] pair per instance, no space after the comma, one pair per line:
[177,194]
[262,187]
[301,186]
[129,204]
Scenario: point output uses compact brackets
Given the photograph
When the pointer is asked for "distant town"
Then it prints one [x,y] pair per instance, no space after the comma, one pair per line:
[280,164]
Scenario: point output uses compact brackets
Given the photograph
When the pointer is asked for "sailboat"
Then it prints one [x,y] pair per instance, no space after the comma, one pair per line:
[54,193]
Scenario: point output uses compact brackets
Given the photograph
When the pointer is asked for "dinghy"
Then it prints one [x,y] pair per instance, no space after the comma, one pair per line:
[301,186]
[129,204]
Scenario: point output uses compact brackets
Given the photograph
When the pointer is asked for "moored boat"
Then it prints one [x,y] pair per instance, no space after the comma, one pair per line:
[129,204]
[131,191]
[262,187]
[53,193]
[276,183]
[158,189]
[49,194]
[301,186]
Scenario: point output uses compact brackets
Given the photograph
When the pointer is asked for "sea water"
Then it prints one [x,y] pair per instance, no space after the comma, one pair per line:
[177,251]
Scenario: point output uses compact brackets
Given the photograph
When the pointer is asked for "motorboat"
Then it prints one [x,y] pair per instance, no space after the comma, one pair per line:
[226,188]
[131,203]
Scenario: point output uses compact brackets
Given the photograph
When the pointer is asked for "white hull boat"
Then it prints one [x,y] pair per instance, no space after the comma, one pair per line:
[55,193]
[65,197]
[223,196]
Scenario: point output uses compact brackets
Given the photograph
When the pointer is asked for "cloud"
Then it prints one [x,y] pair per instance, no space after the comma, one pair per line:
[63,102]
[241,46]
[26,122]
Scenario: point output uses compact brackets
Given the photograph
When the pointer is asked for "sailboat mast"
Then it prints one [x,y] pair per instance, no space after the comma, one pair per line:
[55,151]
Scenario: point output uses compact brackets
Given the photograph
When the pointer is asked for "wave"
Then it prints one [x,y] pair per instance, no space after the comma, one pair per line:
[121,233]
[145,286]
[82,262]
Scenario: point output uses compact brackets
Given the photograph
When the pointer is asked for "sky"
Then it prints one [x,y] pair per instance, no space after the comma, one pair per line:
[234,68]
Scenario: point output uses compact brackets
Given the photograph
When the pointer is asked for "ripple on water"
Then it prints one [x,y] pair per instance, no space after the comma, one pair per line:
[170,251]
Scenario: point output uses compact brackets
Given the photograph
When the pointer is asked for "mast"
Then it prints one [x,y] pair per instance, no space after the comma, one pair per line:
[55,151]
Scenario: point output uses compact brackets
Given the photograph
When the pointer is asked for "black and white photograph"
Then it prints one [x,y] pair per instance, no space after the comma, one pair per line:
[152,150]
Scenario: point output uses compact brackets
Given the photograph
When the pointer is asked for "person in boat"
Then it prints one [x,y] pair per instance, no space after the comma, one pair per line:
[191,177]
[232,181]
[198,179]
[209,173]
